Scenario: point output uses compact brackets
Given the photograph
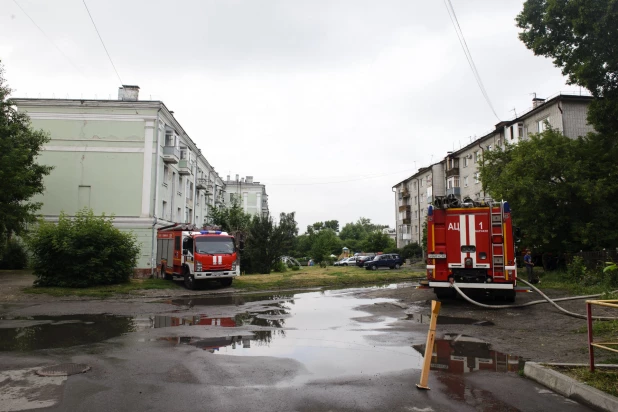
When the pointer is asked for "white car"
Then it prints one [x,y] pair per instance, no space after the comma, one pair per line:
[348,262]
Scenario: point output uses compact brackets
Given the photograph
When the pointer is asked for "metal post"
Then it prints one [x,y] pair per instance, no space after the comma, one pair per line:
[435,310]
[590,347]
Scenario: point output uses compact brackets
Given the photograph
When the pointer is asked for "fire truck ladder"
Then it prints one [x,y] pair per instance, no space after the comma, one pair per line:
[497,249]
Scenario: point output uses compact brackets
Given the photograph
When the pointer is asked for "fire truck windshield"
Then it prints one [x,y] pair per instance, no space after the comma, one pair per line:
[210,245]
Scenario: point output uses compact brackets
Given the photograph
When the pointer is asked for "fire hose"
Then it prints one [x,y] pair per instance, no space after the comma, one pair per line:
[546,299]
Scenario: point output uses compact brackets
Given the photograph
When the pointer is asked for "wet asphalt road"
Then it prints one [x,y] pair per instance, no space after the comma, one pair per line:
[312,351]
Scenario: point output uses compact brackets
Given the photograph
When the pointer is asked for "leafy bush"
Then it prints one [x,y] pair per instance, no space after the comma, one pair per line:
[295,268]
[576,270]
[81,252]
[280,267]
[14,256]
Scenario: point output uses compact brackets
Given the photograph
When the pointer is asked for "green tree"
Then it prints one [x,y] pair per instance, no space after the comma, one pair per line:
[377,241]
[231,219]
[580,36]
[325,243]
[267,242]
[561,190]
[21,177]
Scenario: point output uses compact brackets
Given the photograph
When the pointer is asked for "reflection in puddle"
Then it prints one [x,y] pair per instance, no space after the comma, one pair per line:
[44,332]
[464,354]
[448,320]
[236,300]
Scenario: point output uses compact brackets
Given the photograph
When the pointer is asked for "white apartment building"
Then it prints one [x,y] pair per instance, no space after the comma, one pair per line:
[251,195]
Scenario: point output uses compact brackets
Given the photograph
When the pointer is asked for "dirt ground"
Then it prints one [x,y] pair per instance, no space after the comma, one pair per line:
[539,333]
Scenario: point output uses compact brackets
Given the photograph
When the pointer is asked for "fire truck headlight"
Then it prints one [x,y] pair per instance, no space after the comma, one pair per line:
[198,266]
[233,266]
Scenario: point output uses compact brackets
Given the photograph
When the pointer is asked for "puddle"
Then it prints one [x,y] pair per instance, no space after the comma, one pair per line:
[236,300]
[45,332]
[448,320]
[460,354]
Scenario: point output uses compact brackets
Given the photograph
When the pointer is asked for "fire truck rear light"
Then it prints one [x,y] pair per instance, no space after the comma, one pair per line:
[497,239]
[489,280]
[430,272]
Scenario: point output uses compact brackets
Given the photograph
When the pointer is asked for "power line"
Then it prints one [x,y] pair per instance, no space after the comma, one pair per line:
[100,38]
[466,50]
[48,38]
[339,181]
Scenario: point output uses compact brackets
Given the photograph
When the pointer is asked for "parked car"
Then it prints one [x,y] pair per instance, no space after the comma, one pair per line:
[388,260]
[340,262]
[350,261]
[360,260]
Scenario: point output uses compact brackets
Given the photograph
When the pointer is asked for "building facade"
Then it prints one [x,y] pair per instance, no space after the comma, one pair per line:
[412,196]
[249,194]
[459,172]
[128,158]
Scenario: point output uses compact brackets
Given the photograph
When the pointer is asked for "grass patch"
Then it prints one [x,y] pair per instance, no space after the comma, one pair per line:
[605,380]
[559,280]
[105,291]
[602,328]
[314,276]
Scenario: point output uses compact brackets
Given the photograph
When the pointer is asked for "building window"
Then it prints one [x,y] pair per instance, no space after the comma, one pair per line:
[520,130]
[452,182]
[488,147]
[465,181]
[476,156]
[421,182]
[465,161]
[170,140]
[166,175]
[415,229]
[498,143]
[543,124]
[164,210]
[415,200]
[477,177]
[179,215]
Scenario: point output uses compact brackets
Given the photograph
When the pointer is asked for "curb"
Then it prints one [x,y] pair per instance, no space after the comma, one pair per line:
[569,387]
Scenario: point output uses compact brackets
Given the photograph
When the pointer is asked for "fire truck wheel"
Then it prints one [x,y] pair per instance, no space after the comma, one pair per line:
[164,274]
[226,282]
[189,280]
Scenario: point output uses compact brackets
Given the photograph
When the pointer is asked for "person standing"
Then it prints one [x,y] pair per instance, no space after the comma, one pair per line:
[529,267]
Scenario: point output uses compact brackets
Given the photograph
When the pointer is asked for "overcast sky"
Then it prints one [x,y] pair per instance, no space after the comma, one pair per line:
[329,103]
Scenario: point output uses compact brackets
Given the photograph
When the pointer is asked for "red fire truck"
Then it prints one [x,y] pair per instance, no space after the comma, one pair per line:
[471,244]
[187,253]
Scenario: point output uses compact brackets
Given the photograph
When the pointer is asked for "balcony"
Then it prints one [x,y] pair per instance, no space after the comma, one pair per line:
[219,200]
[404,208]
[406,194]
[171,154]
[453,191]
[452,172]
[407,221]
[407,236]
[184,167]
[203,184]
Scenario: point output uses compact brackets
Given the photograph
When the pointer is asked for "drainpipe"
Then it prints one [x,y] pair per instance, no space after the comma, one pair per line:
[482,165]
[418,206]
[396,212]
[154,206]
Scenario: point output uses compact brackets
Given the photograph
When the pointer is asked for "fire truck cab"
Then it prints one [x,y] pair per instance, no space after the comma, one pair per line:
[187,253]
[472,245]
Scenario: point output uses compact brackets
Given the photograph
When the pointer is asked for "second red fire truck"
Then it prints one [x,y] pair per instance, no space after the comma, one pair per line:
[187,253]
[471,243]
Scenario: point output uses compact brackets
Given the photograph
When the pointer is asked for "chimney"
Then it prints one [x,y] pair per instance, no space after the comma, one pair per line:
[128,93]
[537,101]
[237,178]
[249,179]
